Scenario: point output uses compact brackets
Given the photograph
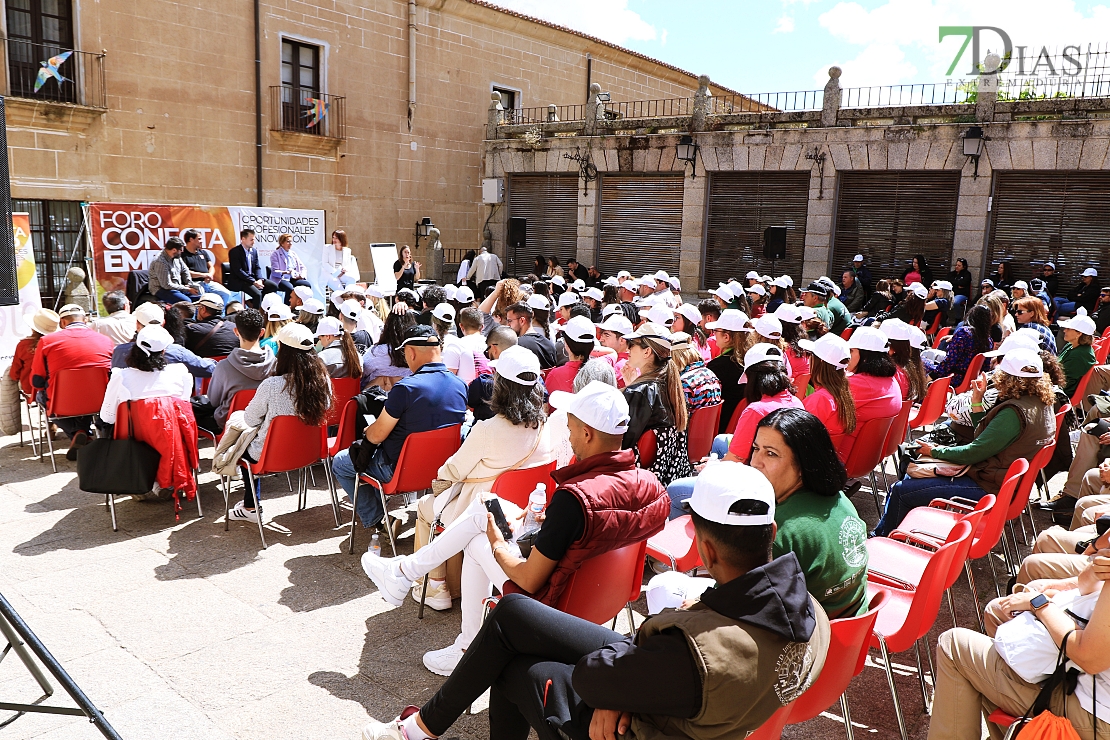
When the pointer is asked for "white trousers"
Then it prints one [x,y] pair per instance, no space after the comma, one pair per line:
[467,534]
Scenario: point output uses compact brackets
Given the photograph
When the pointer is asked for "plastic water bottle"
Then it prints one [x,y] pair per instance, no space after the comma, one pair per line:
[536,501]
[375,546]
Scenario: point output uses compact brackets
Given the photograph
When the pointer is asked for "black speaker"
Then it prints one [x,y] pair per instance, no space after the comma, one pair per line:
[9,283]
[518,232]
[774,243]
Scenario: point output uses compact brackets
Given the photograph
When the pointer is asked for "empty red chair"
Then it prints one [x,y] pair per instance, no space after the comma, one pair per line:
[973,369]
[932,406]
[867,451]
[344,436]
[289,446]
[907,615]
[675,544]
[428,451]
[941,335]
[342,390]
[77,391]
[517,485]
[849,639]
[605,584]
[701,430]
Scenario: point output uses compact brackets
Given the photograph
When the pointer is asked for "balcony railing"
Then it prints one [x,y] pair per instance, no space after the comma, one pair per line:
[48,72]
[307,112]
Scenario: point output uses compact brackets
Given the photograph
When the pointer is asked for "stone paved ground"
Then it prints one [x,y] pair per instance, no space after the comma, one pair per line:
[180,630]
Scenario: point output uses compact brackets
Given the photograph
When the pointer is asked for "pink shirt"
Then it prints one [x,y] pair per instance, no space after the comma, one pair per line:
[799,364]
[562,378]
[903,381]
[821,404]
[875,398]
[744,436]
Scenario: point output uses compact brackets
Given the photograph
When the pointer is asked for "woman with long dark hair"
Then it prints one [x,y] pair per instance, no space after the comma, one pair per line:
[405,271]
[1004,276]
[918,271]
[539,265]
[908,371]
[961,280]
[464,267]
[147,374]
[733,337]
[337,350]
[831,400]
[973,338]
[871,372]
[384,364]
[911,307]
[688,319]
[790,319]
[299,387]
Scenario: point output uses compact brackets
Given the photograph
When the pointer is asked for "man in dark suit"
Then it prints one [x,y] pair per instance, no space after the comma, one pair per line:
[247,273]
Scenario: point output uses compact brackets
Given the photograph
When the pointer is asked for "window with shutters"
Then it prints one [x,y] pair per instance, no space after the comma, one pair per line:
[890,216]
[55,228]
[1058,217]
[300,85]
[549,206]
[741,206]
[639,224]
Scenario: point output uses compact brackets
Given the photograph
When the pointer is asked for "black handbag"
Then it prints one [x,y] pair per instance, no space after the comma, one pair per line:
[117,466]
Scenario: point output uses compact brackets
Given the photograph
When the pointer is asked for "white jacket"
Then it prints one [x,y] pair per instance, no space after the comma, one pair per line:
[237,437]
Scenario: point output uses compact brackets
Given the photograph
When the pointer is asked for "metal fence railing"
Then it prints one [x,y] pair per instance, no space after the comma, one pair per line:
[800,100]
[307,112]
[941,93]
[649,108]
[48,72]
[543,114]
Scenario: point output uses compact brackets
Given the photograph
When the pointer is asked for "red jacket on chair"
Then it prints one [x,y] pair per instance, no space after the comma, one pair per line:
[166,424]
[623,504]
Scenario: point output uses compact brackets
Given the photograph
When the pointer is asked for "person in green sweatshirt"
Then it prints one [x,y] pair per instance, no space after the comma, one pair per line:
[1078,355]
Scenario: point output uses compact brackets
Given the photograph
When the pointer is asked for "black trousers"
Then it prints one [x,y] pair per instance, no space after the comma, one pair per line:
[525,653]
[254,294]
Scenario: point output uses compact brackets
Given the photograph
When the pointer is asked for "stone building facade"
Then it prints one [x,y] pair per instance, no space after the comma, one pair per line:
[163,107]
[889,182]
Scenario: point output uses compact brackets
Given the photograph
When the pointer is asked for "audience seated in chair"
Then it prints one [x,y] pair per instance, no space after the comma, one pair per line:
[244,369]
[150,314]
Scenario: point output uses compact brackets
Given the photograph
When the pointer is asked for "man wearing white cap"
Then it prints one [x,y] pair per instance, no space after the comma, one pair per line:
[210,335]
[74,347]
[752,643]
[152,313]
[148,373]
[1085,294]
[841,318]
[611,334]
[862,273]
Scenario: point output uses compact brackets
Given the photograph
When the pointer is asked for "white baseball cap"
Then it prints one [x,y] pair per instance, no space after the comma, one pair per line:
[689,312]
[464,294]
[789,313]
[374,291]
[768,326]
[515,361]
[624,274]
[652,331]
[579,284]
[580,329]
[350,309]
[736,288]
[830,348]
[538,302]
[617,323]
[598,405]
[150,313]
[752,275]
[895,329]
[70,309]
[444,311]
[567,299]
[313,306]
[1090,272]
[281,312]
[946,285]
[858,258]
[153,338]
[782,281]
[594,294]
[918,290]
[918,340]
[806,313]
[1081,322]
[733,493]
[658,314]
[757,289]
[662,276]
[1017,340]
[269,300]
[675,282]
[1019,284]
[680,340]
[329,326]
[303,292]
[212,301]
[724,293]
[762,352]
[1015,363]
[868,338]
[450,291]
[731,319]
[297,336]
[558,280]
[612,308]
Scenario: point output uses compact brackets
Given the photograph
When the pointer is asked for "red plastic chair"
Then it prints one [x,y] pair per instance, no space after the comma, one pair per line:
[847,333]
[1022,502]
[772,728]
[1079,395]
[867,451]
[908,615]
[76,391]
[428,450]
[205,382]
[848,642]
[735,418]
[342,390]
[287,448]
[801,385]
[1002,719]
[517,485]
[344,436]
[1102,350]
[941,335]
[895,436]
[676,545]
[239,402]
[701,430]
[648,446]
[973,369]
[935,326]
[932,406]
[605,584]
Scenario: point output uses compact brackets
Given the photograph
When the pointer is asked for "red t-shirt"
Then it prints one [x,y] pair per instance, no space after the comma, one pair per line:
[744,435]
[875,398]
[76,346]
[562,378]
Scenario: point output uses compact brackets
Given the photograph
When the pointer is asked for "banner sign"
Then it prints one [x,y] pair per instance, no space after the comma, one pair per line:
[12,325]
[129,237]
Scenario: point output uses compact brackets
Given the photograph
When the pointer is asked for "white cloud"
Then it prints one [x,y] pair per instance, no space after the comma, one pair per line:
[663,38]
[785,25]
[610,20]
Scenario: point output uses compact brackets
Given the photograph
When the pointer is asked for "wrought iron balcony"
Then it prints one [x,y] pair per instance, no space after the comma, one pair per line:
[49,73]
[304,111]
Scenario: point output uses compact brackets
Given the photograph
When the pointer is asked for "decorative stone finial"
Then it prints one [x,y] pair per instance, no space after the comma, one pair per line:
[992,63]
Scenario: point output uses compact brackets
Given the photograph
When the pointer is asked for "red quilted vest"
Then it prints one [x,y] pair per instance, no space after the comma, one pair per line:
[623,504]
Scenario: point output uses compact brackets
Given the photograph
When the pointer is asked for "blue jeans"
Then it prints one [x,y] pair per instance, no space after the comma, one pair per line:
[214,287]
[679,490]
[909,493]
[173,296]
[1063,305]
[720,445]
[370,510]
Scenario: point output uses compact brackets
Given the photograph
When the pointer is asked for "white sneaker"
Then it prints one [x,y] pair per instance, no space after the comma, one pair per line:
[242,513]
[443,662]
[375,730]
[386,575]
[438,597]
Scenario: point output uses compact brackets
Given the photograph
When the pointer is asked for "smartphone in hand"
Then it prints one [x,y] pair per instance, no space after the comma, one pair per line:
[493,506]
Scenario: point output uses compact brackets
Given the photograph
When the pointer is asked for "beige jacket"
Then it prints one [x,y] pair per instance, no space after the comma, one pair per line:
[236,438]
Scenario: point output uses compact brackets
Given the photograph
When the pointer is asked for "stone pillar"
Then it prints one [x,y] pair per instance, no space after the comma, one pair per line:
[831,105]
[587,219]
[972,216]
[819,224]
[552,112]
[987,93]
[595,110]
[701,105]
[691,245]
[434,249]
[494,115]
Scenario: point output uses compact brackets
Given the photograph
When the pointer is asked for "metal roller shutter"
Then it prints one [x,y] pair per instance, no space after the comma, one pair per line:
[550,204]
[890,216]
[1058,217]
[640,225]
[741,206]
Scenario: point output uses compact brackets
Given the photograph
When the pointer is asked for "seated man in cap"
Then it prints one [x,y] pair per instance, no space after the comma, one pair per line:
[151,313]
[74,346]
[728,661]
[602,502]
[210,335]
[431,398]
[815,296]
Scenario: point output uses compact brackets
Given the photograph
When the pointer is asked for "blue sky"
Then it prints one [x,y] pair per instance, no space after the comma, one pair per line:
[784,45]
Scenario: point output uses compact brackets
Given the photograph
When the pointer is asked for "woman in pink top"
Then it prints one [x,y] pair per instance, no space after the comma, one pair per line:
[871,378]
[790,319]
[832,401]
[768,388]
[578,338]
